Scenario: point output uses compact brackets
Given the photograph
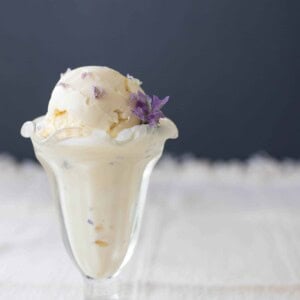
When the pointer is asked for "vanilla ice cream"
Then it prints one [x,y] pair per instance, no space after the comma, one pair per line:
[98,143]
[89,98]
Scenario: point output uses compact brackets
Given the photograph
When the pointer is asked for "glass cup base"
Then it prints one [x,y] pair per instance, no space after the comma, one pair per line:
[106,289]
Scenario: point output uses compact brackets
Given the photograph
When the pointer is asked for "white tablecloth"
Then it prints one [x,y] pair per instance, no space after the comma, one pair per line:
[211,231]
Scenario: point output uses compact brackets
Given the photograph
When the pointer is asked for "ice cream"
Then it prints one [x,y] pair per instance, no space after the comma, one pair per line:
[98,143]
[92,97]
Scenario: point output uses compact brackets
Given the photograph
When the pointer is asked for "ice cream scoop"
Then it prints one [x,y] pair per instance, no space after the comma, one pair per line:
[92,97]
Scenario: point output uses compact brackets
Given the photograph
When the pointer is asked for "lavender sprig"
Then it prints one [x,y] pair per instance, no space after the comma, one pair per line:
[148,109]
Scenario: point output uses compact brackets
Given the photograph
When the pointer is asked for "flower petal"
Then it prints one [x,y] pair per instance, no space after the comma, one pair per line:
[148,109]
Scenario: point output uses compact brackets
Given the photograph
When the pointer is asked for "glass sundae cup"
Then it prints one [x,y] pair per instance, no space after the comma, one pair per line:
[99,184]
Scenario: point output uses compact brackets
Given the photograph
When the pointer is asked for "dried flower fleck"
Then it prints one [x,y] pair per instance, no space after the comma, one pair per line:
[98,92]
[63,84]
[85,74]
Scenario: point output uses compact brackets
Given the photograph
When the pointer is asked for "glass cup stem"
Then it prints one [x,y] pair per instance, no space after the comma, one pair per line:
[106,289]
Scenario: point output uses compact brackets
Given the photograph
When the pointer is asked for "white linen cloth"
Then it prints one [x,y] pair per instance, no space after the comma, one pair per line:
[211,231]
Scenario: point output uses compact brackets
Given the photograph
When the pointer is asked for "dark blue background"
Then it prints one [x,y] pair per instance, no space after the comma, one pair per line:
[231,67]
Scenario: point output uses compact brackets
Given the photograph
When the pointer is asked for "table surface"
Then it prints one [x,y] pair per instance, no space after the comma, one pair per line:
[211,231]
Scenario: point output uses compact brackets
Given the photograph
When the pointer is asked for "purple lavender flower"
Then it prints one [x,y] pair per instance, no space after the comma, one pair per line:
[148,109]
